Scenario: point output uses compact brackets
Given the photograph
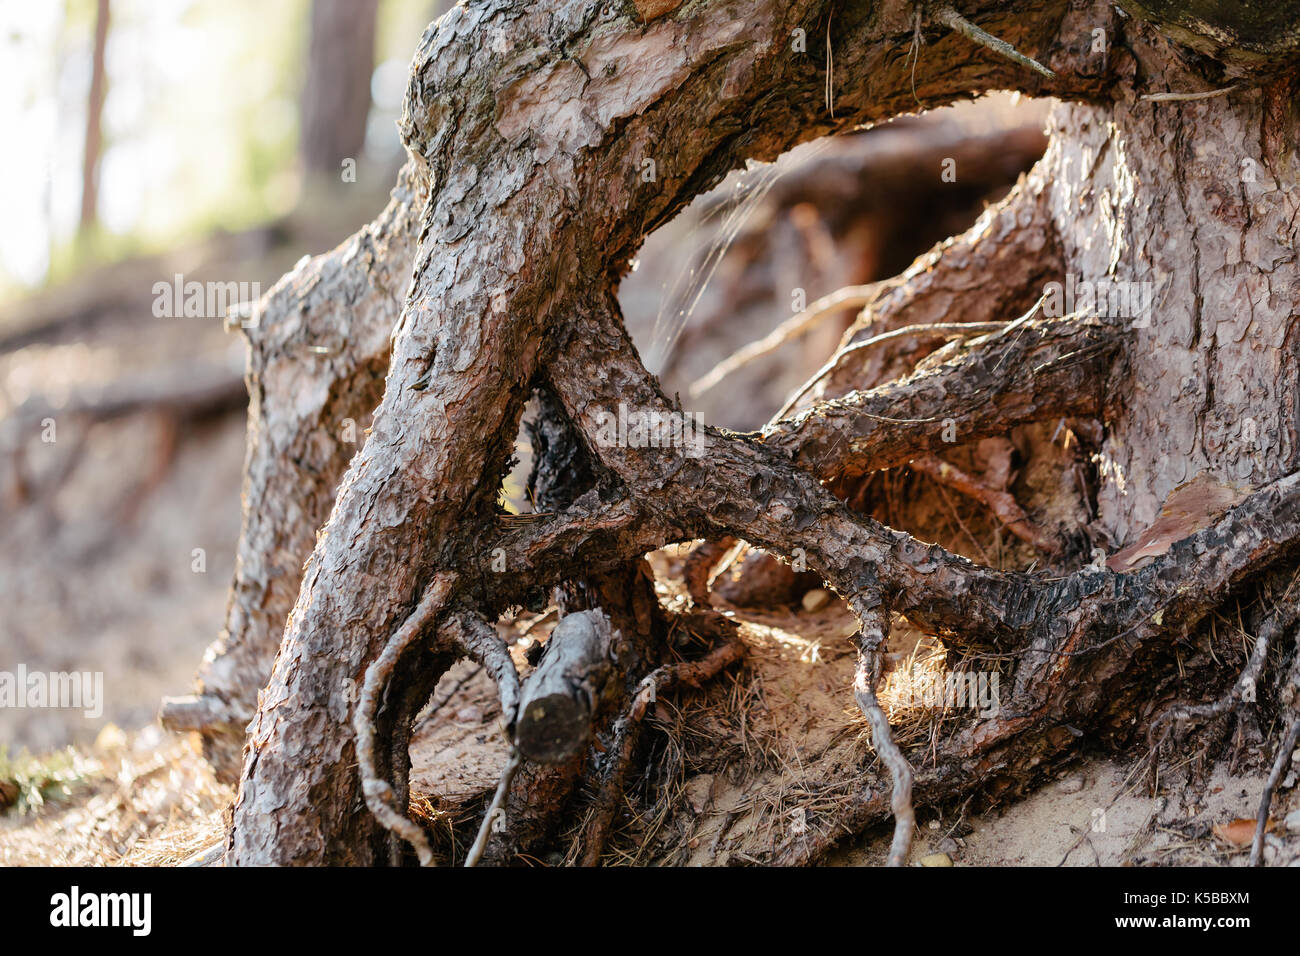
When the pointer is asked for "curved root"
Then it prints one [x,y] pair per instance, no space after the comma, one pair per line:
[871,644]
[379,792]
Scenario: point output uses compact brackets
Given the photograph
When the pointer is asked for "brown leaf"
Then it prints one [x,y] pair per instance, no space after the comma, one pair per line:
[1193,505]
[1240,832]
[653,9]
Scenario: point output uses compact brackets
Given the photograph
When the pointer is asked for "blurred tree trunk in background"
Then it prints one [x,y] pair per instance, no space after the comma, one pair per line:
[94,112]
[336,94]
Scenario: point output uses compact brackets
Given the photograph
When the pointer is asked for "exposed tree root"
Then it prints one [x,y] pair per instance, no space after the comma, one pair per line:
[871,643]
[701,565]
[996,269]
[939,330]
[499,310]
[378,792]
[328,322]
[626,731]
[1002,503]
[1243,689]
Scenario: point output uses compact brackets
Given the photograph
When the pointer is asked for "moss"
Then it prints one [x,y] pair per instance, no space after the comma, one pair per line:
[27,783]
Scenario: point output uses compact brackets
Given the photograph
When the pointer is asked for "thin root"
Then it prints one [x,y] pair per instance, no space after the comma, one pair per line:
[871,644]
[935,330]
[379,792]
[1279,764]
[494,808]
[849,297]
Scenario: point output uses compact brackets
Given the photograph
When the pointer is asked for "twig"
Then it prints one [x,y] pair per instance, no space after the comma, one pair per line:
[934,330]
[849,297]
[212,856]
[1186,97]
[951,18]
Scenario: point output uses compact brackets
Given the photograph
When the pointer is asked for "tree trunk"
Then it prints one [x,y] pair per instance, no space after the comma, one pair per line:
[93,145]
[1196,201]
[553,140]
[336,94]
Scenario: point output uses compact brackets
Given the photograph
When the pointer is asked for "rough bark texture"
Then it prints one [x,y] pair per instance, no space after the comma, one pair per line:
[1200,200]
[317,351]
[533,128]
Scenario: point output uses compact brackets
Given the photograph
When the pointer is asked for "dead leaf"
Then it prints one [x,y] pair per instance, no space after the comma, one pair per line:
[1240,832]
[653,9]
[1193,505]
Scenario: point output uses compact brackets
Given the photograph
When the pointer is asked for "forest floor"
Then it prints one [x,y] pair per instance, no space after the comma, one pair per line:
[734,757]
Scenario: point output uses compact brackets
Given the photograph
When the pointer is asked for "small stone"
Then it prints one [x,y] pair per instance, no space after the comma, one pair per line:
[816,599]
[936,859]
[1071,784]
[1292,821]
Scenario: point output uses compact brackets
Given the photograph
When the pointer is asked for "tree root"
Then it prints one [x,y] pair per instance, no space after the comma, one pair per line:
[938,330]
[871,643]
[1243,690]
[494,810]
[1002,503]
[626,730]
[1049,368]
[701,565]
[329,321]
[996,268]
[1290,694]
[1285,748]
[499,307]
[378,792]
